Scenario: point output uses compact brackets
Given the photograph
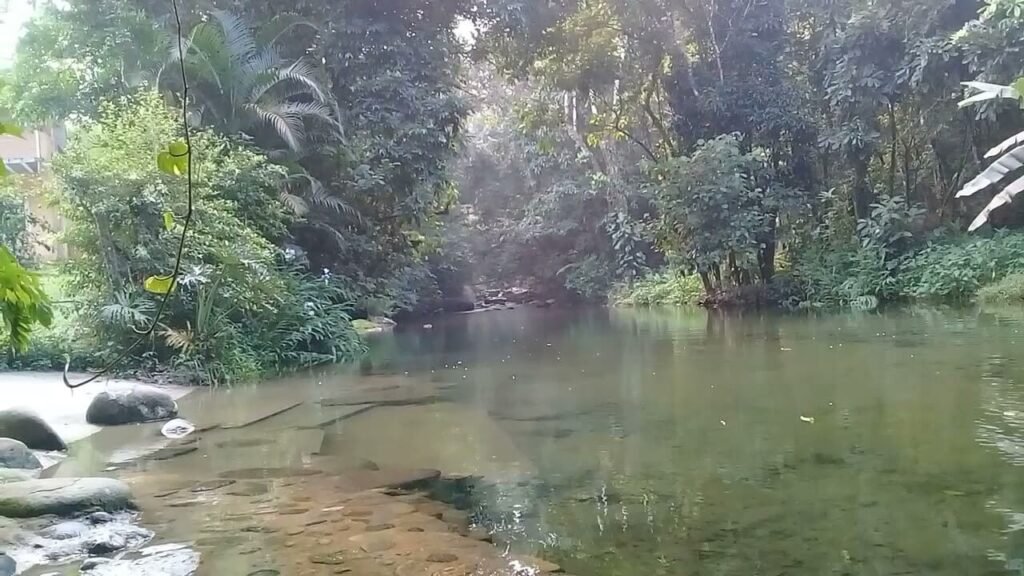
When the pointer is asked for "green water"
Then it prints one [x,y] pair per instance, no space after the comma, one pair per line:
[677,442]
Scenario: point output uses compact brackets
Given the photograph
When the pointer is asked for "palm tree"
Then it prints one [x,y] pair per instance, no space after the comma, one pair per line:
[243,86]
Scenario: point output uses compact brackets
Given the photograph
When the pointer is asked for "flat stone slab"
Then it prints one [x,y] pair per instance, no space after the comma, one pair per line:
[62,496]
[259,414]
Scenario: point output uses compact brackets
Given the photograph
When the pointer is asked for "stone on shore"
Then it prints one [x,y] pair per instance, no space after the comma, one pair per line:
[14,454]
[139,404]
[28,427]
[63,496]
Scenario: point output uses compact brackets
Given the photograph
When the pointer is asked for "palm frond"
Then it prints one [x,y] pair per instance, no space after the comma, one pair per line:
[180,339]
[278,26]
[304,73]
[1004,197]
[996,171]
[295,203]
[127,310]
[1015,140]
[259,70]
[987,91]
[238,37]
[289,127]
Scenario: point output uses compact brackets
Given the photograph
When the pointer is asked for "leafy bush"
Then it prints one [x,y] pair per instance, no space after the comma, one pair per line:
[955,268]
[1008,290]
[660,289]
[22,302]
[237,311]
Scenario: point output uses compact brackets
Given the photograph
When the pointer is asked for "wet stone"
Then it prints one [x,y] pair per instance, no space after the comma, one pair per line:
[379,527]
[294,531]
[441,557]
[357,512]
[317,521]
[259,529]
[271,472]
[292,511]
[247,489]
[209,485]
[332,559]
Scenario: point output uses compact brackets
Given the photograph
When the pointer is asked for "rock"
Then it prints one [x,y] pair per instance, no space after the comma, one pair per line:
[139,404]
[14,475]
[29,428]
[178,428]
[65,530]
[100,518]
[62,496]
[165,560]
[7,565]
[441,557]
[90,563]
[333,559]
[209,485]
[106,543]
[14,454]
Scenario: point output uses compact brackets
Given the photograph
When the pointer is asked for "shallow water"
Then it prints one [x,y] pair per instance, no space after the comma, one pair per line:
[620,442]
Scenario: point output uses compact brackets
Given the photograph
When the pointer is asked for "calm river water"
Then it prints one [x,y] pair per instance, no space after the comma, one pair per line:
[645,442]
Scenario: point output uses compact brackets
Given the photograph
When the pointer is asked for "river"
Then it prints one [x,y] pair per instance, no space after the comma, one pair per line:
[677,442]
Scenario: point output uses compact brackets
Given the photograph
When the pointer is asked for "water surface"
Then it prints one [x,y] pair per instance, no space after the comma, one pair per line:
[628,442]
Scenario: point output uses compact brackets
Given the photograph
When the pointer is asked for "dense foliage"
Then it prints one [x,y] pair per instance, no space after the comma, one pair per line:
[379,158]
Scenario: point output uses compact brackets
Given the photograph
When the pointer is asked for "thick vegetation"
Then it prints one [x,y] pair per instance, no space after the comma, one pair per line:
[361,158]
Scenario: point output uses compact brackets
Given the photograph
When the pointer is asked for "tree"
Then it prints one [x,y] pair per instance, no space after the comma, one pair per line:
[243,86]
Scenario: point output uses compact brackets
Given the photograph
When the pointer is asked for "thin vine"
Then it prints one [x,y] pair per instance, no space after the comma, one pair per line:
[187,154]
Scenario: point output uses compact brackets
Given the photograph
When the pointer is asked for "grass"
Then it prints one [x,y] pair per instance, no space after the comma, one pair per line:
[1009,290]
[661,289]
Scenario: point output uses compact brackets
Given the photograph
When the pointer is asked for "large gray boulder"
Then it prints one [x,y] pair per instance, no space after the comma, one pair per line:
[29,428]
[139,404]
[63,496]
[14,454]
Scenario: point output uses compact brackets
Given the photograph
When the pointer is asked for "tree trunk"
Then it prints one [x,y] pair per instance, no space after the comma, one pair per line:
[862,194]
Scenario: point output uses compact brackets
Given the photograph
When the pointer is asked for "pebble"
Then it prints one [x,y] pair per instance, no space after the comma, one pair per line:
[379,527]
[332,559]
[442,557]
[211,485]
[294,531]
[315,522]
[293,511]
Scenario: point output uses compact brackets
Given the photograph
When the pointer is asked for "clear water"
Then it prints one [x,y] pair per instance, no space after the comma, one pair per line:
[644,442]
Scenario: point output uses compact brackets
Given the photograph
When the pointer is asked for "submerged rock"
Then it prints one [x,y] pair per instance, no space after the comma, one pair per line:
[167,560]
[14,454]
[28,427]
[62,496]
[178,428]
[139,404]
[7,565]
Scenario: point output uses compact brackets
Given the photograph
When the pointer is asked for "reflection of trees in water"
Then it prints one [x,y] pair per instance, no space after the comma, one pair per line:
[1001,429]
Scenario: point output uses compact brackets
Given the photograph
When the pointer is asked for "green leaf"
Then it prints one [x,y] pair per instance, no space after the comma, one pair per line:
[158,284]
[174,160]
[168,220]
[3,169]
[10,128]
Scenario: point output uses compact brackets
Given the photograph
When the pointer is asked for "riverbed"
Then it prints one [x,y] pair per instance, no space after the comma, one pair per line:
[628,442]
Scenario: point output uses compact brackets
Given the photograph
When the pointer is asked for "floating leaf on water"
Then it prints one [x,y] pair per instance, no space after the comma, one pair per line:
[158,284]
[808,419]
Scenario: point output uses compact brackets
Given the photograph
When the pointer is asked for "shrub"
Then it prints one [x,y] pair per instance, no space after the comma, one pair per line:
[660,289]
[955,268]
[1008,290]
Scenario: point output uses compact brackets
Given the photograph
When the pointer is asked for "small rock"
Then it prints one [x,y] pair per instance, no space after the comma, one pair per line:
[178,428]
[379,527]
[441,557]
[28,427]
[415,529]
[105,544]
[90,563]
[211,485]
[456,518]
[265,572]
[14,454]
[292,511]
[316,521]
[332,559]
[371,543]
[479,533]
[139,404]
[294,531]
[100,517]
[64,530]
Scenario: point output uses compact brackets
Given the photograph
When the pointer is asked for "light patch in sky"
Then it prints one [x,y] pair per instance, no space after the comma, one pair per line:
[14,14]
